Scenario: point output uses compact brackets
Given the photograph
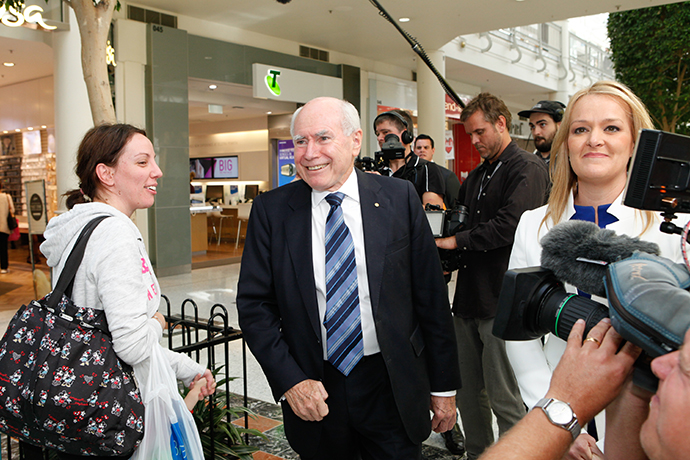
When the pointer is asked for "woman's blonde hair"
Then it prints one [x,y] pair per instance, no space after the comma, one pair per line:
[562,174]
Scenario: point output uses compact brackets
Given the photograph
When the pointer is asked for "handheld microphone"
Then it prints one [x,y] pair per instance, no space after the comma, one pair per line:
[577,252]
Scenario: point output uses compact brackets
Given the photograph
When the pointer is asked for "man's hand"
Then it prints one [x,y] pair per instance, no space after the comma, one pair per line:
[584,448]
[447,243]
[592,373]
[444,413]
[308,400]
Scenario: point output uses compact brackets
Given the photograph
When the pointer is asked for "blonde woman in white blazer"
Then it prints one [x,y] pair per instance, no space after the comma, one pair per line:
[592,151]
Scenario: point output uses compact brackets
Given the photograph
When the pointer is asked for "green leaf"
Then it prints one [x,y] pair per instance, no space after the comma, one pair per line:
[650,54]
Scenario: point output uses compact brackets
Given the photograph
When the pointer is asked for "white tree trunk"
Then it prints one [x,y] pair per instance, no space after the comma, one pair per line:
[94,25]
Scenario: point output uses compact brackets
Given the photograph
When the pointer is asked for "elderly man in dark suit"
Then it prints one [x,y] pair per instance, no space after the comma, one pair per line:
[355,347]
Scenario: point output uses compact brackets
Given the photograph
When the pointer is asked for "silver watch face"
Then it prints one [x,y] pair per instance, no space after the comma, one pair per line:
[560,412]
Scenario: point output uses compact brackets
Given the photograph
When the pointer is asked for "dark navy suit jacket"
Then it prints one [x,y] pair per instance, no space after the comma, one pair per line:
[278,309]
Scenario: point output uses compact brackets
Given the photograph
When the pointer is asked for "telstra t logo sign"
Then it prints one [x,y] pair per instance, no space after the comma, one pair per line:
[272,82]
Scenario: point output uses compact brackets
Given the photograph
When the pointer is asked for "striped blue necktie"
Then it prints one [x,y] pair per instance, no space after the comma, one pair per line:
[342,321]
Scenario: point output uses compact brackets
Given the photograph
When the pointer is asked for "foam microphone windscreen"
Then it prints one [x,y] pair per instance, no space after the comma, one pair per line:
[569,241]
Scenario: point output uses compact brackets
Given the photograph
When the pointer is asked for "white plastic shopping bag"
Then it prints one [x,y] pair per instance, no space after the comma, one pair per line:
[169,429]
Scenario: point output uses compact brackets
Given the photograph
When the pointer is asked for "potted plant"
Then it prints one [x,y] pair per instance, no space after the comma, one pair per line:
[227,437]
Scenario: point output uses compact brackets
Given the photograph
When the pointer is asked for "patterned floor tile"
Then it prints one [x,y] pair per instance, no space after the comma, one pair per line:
[259,422]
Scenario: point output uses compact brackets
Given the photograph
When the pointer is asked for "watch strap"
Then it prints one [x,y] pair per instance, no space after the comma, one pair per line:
[573,426]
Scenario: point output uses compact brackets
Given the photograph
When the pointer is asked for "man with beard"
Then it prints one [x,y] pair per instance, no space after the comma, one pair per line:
[544,121]
[507,183]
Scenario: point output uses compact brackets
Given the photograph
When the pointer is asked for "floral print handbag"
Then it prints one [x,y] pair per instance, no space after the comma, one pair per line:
[61,384]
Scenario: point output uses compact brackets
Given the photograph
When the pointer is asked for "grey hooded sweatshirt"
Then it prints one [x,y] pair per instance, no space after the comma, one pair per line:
[116,276]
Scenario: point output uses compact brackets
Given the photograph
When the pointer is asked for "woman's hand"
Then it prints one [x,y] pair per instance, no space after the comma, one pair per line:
[158,316]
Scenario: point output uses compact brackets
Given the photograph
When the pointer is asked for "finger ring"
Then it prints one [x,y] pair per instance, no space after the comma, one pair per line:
[592,339]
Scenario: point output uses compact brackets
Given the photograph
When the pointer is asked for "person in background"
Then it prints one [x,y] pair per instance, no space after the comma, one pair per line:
[544,120]
[508,182]
[6,208]
[592,151]
[424,148]
[118,174]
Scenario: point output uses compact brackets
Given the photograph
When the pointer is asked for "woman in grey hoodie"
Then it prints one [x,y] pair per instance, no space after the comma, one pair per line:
[118,174]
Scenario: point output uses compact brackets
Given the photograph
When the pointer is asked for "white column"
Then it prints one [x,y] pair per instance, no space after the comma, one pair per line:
[431,103]
[130,89]
[565,87]
[72,111]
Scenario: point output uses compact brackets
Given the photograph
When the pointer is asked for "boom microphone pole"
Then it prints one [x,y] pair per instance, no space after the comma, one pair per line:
[417,48]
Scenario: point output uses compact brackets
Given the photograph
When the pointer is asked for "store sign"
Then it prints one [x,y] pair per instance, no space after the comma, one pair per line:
[519,129]
[453,110]
[110,55]
[31,15]
[449,145]
[35,190]
[286,162]
[270,82]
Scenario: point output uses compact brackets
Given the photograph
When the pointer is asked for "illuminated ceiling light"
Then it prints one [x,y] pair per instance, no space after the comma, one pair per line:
[30,128]
[5,132]
[43,126]
[18,130]
[8,64]
[268,113]
[404,19]
[212,87]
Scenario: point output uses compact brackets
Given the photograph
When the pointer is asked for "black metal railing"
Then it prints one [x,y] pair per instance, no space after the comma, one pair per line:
[217,333]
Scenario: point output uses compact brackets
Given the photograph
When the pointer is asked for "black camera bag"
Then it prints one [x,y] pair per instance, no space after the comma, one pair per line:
[649,302]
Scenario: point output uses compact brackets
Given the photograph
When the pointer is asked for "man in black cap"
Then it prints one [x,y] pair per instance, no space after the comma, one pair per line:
[544,120]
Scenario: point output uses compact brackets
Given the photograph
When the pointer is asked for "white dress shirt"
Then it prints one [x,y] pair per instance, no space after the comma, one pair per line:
[352,214]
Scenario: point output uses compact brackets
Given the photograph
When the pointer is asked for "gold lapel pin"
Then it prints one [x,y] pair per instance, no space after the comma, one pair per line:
[376,204]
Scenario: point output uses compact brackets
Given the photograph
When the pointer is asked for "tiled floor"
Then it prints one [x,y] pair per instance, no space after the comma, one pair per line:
[206,287]
[275,445]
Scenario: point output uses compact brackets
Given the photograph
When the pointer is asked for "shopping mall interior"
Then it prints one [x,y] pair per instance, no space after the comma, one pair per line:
[194,76]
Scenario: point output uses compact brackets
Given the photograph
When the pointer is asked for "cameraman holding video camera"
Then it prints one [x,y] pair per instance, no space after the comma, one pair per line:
[593,374]
[596,141]
[402,161]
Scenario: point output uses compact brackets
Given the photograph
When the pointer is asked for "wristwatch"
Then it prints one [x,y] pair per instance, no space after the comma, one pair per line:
[560,414]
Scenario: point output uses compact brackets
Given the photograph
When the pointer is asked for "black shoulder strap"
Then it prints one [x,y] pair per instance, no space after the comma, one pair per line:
[69,271]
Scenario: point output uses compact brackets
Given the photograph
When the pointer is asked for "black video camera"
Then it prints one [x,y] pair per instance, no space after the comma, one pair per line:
[446,223]
[376,164]
[533,302]
[392,149]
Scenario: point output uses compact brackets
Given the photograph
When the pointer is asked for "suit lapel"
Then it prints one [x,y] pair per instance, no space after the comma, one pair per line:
[376,210]
[298,235]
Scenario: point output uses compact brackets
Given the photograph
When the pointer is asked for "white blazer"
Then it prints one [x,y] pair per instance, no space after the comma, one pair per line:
[532,362]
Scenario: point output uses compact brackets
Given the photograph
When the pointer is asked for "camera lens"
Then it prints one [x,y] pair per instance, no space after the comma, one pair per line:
[560,310]
[533,303]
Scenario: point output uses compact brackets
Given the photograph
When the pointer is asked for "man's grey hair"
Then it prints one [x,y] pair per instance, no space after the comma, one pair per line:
[349,122]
